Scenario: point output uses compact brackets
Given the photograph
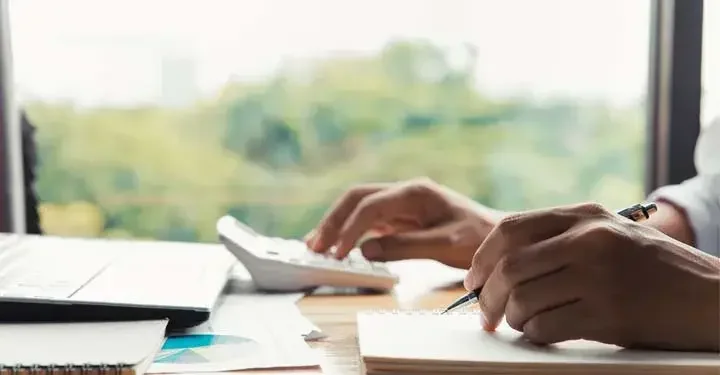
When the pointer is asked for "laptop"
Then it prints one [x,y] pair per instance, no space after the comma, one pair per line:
[45,278]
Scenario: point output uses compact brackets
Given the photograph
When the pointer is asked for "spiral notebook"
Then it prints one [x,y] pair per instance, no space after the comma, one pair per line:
[399,342]
[102,348]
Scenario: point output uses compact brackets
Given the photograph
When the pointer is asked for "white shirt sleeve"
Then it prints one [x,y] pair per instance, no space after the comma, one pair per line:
[699,196]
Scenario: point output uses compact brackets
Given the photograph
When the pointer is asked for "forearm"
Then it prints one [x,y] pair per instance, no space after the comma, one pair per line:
[711,314]
[705,322]
[673,221]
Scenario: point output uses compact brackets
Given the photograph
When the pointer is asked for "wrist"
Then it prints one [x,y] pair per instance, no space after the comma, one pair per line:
[711,313]
[673,221]
[488,215]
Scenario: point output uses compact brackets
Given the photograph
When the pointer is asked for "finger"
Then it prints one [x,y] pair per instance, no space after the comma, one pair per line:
[525,264]
[539,259]
[492,300]
[326,233]
[511,233]
[421,244]
[567,322]
[518,231]
[396,226]
[541,294]
[309,237]
[377,208]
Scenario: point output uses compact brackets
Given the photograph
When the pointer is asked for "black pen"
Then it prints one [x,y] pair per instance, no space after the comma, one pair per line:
[638,212]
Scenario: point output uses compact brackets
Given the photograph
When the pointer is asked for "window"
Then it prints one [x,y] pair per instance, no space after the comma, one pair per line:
[711,61]
[156,117]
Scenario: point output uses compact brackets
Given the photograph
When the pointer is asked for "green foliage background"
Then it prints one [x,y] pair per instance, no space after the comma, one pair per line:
[276,153]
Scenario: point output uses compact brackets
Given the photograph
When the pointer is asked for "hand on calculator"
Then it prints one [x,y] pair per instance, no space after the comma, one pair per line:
[278,264]
[417,219]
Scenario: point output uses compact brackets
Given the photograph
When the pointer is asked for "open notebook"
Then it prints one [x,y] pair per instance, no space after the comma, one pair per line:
[102,348]
[400,342]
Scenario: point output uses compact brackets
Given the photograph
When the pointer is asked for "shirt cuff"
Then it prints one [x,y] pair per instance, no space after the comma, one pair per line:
[698,199]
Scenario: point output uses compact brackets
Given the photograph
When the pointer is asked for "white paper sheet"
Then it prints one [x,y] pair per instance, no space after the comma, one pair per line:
[259,349]
[241,294]
[273,329]
[269,331]
[237,310]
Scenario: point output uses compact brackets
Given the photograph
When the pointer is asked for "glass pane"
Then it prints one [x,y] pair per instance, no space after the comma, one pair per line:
[156,117]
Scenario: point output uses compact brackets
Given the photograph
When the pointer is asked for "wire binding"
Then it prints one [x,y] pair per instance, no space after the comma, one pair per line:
[68,369]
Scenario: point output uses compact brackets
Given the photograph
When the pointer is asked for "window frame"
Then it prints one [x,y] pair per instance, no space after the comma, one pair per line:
[674,91]
[12,189]
[673,112]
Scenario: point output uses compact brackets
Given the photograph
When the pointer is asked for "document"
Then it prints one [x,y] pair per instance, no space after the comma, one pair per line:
[258,348]
[248,330]
[240,295]
[237,310]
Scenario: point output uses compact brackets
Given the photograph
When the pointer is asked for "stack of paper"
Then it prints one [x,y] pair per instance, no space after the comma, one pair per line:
[75,346]
[248,330]
[426,342]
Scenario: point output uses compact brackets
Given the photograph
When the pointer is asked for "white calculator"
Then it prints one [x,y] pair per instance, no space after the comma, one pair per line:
[277,264]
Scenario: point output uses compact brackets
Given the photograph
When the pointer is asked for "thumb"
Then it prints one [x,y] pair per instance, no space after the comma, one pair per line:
[421,244]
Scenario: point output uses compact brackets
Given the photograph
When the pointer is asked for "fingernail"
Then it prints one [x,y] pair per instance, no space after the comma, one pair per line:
[308,237]
[486,324]
[340,249]
[311,241]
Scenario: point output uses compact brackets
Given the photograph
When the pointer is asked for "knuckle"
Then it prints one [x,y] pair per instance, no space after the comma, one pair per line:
[422,181]
[592,208]
[419,187]
[367,206]
[600,232]
[508,223]
[355,193]
[506,267]
[510,263]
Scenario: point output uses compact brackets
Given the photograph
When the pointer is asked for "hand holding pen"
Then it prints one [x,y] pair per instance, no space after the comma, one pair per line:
[584,272]
[638,212]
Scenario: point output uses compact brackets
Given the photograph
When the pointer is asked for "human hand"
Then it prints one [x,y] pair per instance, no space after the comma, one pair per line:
[581,272]
[417,219]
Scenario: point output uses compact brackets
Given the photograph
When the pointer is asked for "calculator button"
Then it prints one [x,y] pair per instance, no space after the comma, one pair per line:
[323,262]
[362,265]
[376,266]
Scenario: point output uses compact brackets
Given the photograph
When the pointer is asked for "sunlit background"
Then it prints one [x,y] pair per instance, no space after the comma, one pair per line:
[156,117]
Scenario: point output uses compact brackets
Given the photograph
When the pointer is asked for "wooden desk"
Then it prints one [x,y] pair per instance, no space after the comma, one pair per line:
[424,285]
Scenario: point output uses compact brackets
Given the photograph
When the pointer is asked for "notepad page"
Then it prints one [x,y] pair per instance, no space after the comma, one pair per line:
[458,338]
[111,343]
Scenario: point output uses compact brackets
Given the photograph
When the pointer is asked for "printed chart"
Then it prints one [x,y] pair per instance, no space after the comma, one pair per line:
[206,348]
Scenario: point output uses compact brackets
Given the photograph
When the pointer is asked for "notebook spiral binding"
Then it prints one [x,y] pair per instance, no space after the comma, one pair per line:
[424,312]
[68,369]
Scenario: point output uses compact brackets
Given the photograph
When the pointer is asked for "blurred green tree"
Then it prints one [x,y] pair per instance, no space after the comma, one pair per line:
[276,153]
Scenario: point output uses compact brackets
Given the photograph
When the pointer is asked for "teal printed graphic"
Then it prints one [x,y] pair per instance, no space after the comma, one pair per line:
[205,348]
